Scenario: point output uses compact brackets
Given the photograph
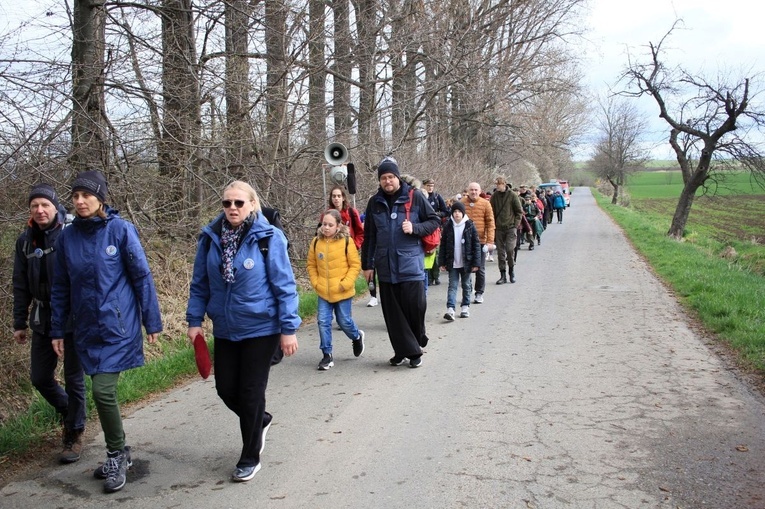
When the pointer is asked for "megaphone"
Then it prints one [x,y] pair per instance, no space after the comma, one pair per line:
[338,174]
[336,154]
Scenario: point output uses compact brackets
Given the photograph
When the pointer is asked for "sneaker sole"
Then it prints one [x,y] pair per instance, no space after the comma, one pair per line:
[114,489]
[325,367]
[397,363]
[449,318]
[263,437]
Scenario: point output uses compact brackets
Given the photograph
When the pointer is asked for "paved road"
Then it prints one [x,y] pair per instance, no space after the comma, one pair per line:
[579,386]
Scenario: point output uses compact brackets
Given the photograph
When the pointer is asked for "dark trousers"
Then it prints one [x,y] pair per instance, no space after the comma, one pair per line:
[241,378]
[480,276]
[404,306]
[68,401]
[559,213]
[506,240]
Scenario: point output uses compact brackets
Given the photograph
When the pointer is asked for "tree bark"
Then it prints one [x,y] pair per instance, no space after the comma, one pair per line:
[89,140]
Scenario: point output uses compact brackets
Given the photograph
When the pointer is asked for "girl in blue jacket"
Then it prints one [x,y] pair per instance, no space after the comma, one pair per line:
[103,281]
[243,281]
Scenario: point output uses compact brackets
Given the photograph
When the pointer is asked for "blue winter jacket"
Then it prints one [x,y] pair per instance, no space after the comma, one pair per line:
[398,257]
[263,298]
[102,278]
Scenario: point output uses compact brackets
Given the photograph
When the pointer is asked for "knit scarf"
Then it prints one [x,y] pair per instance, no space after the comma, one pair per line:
[230,238]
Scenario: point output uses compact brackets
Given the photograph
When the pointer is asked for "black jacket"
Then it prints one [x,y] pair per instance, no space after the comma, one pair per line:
[471,248]
[33,275]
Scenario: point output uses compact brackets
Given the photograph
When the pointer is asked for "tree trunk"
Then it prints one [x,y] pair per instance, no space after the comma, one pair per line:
[181,121]
[89,141]
[317,89]
[277,132]
[684,204]
[343,65]
[240,142]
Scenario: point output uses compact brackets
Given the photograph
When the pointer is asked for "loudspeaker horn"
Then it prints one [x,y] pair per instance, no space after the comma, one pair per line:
[336,154]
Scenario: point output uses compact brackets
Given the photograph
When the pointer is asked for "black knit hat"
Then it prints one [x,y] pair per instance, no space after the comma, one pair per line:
[93,182]
[458,205]
[388,165]
[44,191]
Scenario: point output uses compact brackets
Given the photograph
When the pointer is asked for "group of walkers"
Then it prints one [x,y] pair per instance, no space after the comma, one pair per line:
[82,284]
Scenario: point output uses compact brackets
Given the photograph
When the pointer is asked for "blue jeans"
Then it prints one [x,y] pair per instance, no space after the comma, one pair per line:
[467,287]
[342,311]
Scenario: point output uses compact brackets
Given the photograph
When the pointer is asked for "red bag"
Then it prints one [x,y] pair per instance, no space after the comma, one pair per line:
[202,355]
[431,241]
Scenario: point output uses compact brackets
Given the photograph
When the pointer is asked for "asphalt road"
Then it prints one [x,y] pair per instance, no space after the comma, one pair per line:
[583,385]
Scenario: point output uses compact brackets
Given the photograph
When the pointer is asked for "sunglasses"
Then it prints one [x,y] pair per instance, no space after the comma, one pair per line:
[236,203]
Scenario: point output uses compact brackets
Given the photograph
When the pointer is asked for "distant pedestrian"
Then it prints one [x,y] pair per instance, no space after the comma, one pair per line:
[103,281]
[243,282]
[459,256]
[508,211]
[333,268]
[559,204]
[32,281]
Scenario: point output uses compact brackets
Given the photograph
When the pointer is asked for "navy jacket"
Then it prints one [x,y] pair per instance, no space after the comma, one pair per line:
[398,257]
[103,280]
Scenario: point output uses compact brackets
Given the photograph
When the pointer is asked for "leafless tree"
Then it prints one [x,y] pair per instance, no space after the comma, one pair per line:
[618,150]
[713,125]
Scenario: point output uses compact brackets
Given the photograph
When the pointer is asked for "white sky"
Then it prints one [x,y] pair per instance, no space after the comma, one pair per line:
[714,37]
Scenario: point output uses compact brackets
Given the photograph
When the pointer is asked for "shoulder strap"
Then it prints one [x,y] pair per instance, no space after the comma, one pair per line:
[408,205]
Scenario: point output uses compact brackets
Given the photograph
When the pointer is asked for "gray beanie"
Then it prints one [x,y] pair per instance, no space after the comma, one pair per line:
[44,191]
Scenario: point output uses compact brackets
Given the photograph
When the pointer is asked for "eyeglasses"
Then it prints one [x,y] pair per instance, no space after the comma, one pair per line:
[236,203]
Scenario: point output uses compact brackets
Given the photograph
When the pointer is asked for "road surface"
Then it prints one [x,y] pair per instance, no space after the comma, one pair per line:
[582,386]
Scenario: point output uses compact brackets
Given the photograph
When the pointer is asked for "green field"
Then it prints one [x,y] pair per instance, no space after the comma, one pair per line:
[718,270]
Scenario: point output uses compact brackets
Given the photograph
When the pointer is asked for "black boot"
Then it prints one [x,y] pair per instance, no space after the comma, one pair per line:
[512,274]
[503,277]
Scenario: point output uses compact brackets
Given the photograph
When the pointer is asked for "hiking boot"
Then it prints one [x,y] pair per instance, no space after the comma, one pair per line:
[478,298]
[101,471]
[449,315]
[358,344]
[465,312]
[325,363]
[397,361]
[116,471]
[512,274]
[416,362]
[502,277]
[72,441]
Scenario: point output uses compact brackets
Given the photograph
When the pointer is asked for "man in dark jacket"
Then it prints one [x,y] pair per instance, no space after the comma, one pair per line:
[393,248]
[439,205]
[32,279]
[508,212]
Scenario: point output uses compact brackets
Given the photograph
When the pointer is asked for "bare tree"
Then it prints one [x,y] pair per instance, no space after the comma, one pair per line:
[89,132]
[707,129]
[618,150]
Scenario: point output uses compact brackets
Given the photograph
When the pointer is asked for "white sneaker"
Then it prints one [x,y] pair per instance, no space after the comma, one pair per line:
[449,315]
[372,302]
[465,312]
[478,298]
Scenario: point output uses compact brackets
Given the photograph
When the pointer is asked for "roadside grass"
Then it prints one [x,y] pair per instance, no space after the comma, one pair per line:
[723,287]
[169,362]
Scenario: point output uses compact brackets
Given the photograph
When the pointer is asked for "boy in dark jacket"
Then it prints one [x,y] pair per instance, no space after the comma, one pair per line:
[460,254]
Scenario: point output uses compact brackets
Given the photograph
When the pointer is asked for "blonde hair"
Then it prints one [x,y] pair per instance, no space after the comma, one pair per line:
[247,188]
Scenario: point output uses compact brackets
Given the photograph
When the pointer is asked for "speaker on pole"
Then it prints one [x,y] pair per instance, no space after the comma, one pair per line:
[351,179]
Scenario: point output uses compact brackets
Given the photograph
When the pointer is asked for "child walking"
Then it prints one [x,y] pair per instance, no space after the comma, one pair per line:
[460,254]
[333,268]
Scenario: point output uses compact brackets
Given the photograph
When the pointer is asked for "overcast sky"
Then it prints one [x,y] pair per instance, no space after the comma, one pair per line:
[714,36]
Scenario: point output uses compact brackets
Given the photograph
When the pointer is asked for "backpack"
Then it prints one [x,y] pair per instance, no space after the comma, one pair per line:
[431,241]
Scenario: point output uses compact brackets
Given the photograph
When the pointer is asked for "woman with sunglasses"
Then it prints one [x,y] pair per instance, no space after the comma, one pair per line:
[243,281]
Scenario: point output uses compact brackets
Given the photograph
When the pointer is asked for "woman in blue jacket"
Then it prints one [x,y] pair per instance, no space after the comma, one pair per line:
[243,281]
[102,279]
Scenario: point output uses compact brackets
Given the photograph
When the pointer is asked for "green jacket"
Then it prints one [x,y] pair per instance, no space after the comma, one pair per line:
[507,209]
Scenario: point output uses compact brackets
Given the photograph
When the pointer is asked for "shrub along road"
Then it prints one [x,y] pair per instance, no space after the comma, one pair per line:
[582,385]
